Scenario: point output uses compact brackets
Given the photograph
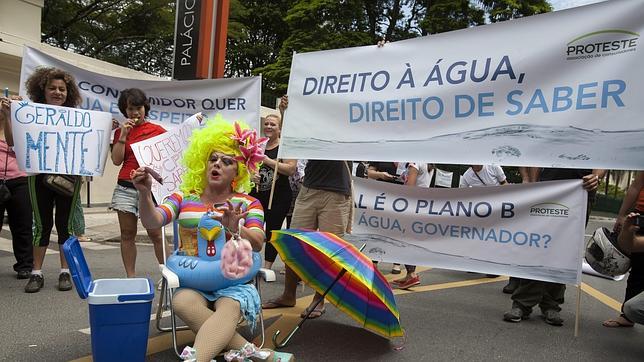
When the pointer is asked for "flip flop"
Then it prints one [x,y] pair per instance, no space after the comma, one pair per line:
[618,322]
[316,313]
[274,304]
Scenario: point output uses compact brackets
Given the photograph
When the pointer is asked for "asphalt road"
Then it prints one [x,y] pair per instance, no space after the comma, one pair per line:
[452,315]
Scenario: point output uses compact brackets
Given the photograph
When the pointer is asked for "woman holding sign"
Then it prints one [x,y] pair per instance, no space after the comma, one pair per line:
[134,105]
[56,87]
[264,179]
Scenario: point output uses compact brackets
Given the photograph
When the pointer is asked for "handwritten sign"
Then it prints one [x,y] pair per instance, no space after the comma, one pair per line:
[163,154]
[60,140]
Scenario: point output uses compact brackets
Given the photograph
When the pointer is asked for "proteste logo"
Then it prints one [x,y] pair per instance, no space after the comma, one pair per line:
[552,209]
[602,43]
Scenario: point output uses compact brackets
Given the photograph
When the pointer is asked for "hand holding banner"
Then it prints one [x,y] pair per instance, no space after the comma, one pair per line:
[60,140]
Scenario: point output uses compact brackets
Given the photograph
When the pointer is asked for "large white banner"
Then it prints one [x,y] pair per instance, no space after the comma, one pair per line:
[61,140]
[171,102]
[163,154]
[533,231]
[560,89]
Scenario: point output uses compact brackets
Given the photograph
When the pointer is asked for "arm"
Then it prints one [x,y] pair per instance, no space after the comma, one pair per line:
[629,200]
[151,218]
[372,173]
[118,148]
[412,175]
[629,240]
[283,105]
[5,108]
[501,176]
[591,181]
[286,167]
[255,237]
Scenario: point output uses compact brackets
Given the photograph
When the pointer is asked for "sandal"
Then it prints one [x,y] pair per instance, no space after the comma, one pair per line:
[250,353]
[618,323]
[274,304]
[316,313]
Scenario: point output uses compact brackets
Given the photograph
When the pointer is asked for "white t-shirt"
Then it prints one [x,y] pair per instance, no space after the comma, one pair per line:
[424,178]
[491,175]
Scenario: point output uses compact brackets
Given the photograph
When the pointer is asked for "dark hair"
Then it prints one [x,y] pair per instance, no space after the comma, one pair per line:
[135,97]
[38,80]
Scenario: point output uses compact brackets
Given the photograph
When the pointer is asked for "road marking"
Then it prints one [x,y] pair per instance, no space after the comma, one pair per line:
[90,245]
[289,317]
[610,302]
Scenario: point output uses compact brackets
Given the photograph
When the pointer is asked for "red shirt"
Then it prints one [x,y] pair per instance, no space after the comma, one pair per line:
[138,133]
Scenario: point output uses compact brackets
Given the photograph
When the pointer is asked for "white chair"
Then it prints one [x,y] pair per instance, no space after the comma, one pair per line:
[170,282]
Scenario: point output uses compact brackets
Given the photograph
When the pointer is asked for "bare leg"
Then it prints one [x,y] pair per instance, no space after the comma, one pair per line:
[39,256]
[128,224]
[158,242]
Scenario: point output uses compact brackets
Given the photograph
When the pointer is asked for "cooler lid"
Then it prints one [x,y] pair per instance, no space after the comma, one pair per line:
[78,266]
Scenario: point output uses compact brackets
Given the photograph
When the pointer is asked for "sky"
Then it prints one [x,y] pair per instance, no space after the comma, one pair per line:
[566,4]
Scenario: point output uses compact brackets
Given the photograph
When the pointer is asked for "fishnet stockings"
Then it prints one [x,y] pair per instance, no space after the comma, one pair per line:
[214,329]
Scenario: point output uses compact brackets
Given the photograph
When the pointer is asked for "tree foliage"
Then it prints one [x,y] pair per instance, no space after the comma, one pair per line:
[135,34]
[262,35]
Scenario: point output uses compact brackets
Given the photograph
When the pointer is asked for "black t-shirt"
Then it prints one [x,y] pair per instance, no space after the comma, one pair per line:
[388,167]
[327,175]
[262,190]
[551,174]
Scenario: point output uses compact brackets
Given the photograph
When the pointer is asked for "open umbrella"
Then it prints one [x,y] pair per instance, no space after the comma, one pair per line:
[345,276]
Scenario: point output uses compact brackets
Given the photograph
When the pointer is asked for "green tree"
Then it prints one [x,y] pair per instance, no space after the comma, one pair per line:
[135,34]
[256,32]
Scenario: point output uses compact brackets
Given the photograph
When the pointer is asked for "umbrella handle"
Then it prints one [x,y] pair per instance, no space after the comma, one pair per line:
[286,340]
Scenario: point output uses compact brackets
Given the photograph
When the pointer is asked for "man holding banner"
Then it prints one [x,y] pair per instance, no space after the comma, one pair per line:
[549,296]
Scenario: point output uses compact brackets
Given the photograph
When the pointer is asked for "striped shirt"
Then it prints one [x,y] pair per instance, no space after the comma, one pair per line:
[187,210]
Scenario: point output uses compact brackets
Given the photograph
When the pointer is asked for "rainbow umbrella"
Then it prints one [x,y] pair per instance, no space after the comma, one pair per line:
[345,276]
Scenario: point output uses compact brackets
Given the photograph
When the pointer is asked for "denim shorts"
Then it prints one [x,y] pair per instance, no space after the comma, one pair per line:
[125,199]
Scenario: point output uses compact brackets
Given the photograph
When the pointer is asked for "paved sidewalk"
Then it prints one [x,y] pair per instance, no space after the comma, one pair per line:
[102,225]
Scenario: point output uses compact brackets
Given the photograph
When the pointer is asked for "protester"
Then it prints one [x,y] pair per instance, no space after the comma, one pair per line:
[214,176]
[631,242]
[483,175]
[135,106]
[55,87]
[263,180]
[418,175]
[388,172]
[549,296]
[16,203]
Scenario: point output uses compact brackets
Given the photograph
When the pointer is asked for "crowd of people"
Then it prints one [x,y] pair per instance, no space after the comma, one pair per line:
[319,197]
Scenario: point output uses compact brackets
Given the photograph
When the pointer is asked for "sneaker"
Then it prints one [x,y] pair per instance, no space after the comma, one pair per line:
[409,282]
[36,282]
[515,315]
[395,269]
[64,282]
[553,318]
[23,274]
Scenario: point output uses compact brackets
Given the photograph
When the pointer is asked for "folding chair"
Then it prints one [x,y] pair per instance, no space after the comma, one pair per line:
[170,281]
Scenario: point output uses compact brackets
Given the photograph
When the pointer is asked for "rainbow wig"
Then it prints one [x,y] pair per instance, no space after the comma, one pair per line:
[216,135]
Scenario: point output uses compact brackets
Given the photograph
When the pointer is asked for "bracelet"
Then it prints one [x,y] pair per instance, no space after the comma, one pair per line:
[121,142]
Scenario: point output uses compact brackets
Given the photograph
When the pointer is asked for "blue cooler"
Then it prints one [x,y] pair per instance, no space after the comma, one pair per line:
[119,309]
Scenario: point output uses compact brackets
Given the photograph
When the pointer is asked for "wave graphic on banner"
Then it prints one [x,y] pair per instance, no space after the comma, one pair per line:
[379,246]
[528,139]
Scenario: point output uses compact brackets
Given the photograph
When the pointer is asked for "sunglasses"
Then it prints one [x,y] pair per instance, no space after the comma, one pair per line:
[225,160]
